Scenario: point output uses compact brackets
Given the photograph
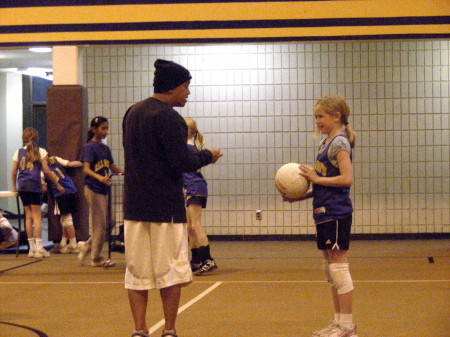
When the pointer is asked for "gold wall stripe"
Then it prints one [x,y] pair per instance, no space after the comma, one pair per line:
[222,11]
[225,34]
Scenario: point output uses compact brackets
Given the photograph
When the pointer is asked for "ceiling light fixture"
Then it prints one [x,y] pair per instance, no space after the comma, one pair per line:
[40,49]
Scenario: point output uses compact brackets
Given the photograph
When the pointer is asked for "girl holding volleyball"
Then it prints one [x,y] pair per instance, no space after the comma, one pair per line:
[97,161]
[331,178]
[196,191]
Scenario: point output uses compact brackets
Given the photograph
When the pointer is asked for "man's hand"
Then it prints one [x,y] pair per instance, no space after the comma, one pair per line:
[216,154]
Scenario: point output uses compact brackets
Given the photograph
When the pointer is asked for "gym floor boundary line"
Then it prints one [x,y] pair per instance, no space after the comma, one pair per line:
[22,265]
[221,282]
[38,332]
[187,305]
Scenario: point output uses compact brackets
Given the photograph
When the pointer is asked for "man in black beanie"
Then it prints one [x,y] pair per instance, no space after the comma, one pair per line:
[156,155]
[169,75]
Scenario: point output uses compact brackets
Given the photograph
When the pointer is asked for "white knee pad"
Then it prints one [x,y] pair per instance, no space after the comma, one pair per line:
[326,269]
[66,220]
[340,273]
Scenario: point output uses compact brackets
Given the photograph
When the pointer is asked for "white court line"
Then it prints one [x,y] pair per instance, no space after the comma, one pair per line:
[354,281]
[220,282]
[187,305]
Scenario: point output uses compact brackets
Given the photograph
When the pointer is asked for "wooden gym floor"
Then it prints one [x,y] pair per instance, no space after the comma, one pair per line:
[402,288]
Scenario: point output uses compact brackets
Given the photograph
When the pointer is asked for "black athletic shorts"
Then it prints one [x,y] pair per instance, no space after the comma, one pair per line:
[196,200]
[30,198]
[67,203]
[334,234]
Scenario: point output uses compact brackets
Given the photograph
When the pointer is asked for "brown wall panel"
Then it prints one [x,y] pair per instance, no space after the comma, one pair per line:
[66,135]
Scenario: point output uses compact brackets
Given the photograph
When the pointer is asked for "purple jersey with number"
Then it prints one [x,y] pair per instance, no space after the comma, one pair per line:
[100,158]
[331,203]
[29,178]
[59,173]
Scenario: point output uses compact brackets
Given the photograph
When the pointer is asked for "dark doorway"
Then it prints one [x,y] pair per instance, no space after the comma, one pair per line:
[39,122]
[35,106]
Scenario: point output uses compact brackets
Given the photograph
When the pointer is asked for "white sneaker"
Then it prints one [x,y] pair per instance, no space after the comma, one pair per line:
[64,249]
[344,332]
[31,253]
[42,253]
[83,252]
[73,249]
[103,263]
[327,331]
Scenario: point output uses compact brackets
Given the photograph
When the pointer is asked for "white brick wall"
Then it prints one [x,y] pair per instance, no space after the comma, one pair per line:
[255,102]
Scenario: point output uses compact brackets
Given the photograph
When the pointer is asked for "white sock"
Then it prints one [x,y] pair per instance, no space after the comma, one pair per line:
[32,244]
[38,244]
[346,320]
[63,241]
[337,318]
[73,242]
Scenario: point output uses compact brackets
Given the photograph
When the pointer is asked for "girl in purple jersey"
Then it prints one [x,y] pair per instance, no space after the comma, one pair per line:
[331,178]
[28,164]
[65,203]
[196,190]
[97,161]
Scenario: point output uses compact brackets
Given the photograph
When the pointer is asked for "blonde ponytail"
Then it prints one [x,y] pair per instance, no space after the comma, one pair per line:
[199,139]
[351,135]
[30,138]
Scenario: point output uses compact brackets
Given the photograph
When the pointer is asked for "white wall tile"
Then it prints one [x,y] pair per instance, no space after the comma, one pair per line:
[256,102]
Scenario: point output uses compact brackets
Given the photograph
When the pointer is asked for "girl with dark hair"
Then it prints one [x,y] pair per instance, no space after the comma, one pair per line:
[97,161]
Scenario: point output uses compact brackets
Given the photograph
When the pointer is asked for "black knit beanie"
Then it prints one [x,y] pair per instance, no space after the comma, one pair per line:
[169,75]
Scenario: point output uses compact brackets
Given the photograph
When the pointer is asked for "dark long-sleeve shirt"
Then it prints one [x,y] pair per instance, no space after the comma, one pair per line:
[156,155]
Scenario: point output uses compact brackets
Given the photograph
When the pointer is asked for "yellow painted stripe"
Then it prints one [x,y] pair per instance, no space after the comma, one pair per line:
[224,33]
[223,11]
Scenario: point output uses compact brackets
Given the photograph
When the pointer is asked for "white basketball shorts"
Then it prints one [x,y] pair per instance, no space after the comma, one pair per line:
[156,254]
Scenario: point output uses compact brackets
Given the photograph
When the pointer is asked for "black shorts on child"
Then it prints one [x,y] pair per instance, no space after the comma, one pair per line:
[67,203]
[30,198]
[196,200]
[334,234]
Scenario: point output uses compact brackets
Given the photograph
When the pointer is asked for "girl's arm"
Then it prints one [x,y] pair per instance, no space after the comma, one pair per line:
[15,167]
[345,179]
[306,196]
[103,179]
[74,163]
[50,176]
[116,170]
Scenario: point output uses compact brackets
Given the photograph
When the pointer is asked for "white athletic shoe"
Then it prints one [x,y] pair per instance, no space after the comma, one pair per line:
[103,263]
[42,253]
[83,252]
[344,332]
[31,253]
[73,250]
[327,331]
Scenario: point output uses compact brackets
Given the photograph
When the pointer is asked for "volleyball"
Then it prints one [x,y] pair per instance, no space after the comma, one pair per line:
[290,183]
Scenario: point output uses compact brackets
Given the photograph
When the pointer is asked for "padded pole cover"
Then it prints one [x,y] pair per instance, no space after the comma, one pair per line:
[66,134]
